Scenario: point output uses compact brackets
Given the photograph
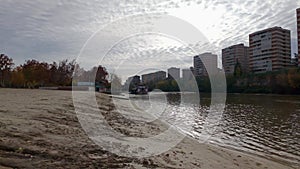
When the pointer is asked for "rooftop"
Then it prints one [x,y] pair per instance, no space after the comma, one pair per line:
[269,29]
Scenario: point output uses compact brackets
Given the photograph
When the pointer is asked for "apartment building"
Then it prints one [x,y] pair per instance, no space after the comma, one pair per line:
[204,63]
[153,77]
[269,50]
[233,55]
[187,74]
[174,73]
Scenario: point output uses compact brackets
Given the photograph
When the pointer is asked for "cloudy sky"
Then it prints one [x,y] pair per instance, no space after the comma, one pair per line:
[59,29]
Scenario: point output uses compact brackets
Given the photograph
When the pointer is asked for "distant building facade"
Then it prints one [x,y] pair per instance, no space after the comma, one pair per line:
[198,66]
[233,55]
[269,50]
[153,77]
[204,63]
[187,74]
[298,33]
[174,73]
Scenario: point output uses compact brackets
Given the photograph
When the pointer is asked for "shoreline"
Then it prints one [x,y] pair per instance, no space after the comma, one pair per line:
[85,88]
[39,129]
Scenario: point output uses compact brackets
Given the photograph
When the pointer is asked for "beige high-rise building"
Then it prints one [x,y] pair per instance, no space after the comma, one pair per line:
[298,32]
[153,77]
[187,74]
[269,50]
[204,63]
[233,55]
[174,73]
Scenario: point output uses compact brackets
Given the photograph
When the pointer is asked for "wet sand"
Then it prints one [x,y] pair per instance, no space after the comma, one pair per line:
[40,129]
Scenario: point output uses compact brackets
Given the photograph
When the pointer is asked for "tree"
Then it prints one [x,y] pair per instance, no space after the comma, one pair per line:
[97,75]
[65,71]
[53,70]
[101,75]
[237,70]
[6,64]
[17,77]
[294,78]
[167,85]
[115,83]
[36,73]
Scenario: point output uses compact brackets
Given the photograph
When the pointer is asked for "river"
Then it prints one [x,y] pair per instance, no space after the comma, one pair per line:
[268,125]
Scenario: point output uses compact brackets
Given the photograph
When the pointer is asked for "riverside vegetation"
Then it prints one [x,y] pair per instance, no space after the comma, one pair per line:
[35,74]
[286,81]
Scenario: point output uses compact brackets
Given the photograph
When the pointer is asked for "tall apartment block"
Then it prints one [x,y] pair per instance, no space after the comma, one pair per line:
[233,55]
[153,77]
[298,32]
[187,74]
[204,63]
[174,73]
[269,50]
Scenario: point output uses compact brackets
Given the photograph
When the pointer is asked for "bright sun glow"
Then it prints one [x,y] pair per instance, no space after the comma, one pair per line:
[207,20]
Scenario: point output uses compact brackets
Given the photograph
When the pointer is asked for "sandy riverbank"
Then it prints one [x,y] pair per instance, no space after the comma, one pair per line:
[39,129]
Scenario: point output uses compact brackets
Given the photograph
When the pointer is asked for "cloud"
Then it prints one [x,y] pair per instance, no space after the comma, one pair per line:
[54,30]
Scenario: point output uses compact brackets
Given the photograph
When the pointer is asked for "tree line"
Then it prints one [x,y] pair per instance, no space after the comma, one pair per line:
[34,74]
[285,81]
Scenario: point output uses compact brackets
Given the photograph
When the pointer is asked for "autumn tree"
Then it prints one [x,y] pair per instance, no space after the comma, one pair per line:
[17,78]
[53,70]
[6,64]
[35,73]
[97,75]
[65,70]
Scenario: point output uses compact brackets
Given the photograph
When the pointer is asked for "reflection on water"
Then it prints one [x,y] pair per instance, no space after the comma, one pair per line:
[268,124]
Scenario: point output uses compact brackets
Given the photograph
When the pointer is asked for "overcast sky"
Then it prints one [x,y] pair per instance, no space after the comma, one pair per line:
[58,29]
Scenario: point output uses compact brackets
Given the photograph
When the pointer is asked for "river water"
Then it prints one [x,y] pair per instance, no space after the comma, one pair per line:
[268,125]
